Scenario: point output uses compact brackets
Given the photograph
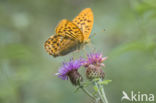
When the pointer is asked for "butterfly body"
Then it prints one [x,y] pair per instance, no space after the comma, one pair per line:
[70,35]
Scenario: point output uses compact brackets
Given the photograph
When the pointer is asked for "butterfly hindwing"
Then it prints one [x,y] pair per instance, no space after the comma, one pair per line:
[52,44]
[58,45]
[68,45]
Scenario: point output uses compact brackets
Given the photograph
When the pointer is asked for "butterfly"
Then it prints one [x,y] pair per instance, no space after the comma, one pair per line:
[70,35]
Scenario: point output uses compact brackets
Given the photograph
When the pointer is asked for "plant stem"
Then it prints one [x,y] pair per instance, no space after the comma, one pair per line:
[100,94]
[88,93]
[103,92]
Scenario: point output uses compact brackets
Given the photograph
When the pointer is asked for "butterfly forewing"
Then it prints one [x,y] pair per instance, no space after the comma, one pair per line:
[67,28]
[85,22]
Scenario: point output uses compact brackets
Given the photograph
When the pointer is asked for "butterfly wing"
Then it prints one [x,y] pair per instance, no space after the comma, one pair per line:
[52,44]
[68,45]
[58,45]
[68,38]
[69,29]
[85,22]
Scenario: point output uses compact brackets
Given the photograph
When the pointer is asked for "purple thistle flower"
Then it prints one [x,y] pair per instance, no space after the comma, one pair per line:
[70,70]
[95,59]
[93,66]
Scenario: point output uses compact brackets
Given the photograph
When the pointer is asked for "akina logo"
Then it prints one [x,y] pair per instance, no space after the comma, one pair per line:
[138,96]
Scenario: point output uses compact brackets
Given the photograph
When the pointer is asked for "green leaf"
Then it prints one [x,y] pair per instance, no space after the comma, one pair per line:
[105,82]
[96,79]
[95,88]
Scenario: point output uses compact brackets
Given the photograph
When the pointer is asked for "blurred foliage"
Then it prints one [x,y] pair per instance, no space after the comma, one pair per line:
[26,70]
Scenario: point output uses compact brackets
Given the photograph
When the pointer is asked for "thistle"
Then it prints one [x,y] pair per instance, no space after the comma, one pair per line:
[93,66]
[70,70]
[94,72]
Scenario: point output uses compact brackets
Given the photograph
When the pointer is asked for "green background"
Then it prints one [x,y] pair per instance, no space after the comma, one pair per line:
[125,32]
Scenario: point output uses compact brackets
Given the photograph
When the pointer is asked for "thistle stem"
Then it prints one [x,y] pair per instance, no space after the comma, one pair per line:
[103,92]
[100,94]
[88,93]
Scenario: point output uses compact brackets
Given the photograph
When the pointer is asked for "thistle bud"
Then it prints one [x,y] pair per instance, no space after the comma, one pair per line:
[94,72]
[94,66]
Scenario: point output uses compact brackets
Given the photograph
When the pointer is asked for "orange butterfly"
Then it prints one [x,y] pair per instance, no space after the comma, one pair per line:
[71,35]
